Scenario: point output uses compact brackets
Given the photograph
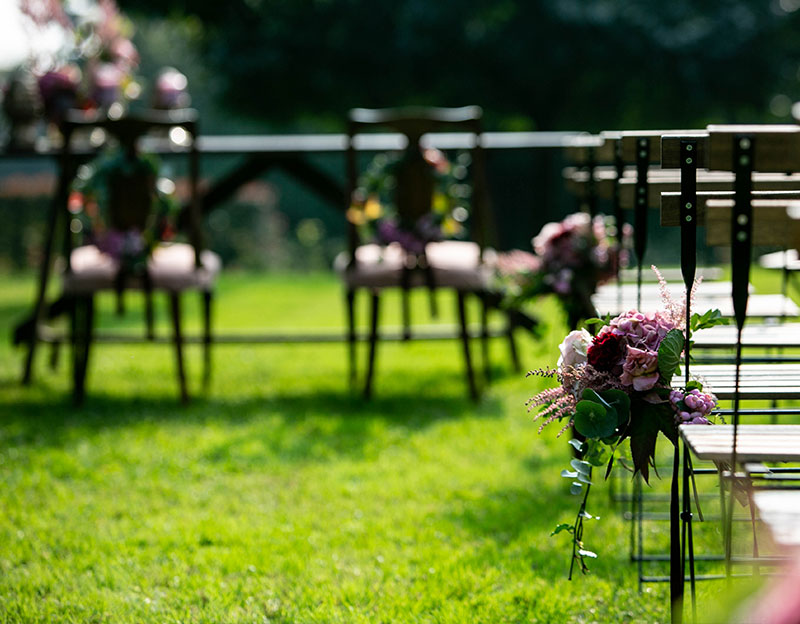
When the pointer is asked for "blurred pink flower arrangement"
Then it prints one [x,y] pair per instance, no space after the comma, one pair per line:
[571,258]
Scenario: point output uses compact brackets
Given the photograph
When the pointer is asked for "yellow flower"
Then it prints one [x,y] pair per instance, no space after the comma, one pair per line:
[441,203]
[450,227]
[355,215]
[373,208]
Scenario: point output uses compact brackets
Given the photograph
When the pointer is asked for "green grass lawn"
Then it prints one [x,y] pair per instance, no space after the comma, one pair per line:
[281,496]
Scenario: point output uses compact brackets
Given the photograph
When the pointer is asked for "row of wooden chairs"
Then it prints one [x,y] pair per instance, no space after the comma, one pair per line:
[737,182]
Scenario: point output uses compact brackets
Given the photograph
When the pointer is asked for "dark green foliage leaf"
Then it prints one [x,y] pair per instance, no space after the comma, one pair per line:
[669,354]
[643,433]
[593,420]
[666,421]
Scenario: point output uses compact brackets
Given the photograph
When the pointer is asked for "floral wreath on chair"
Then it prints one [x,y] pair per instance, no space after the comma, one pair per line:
[373,212]
[88,204]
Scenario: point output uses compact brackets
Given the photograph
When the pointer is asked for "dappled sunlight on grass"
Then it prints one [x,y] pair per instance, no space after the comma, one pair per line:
[282,494]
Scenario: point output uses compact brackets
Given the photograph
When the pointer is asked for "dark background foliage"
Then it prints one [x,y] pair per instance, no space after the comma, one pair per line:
[545,64]
[589,65]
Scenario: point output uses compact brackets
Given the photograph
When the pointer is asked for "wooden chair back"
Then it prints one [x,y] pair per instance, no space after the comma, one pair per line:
[414,176]
[131,192]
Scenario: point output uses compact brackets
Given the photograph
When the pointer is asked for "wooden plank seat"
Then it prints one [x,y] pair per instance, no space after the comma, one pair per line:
[780,511]
[758,382]
[756,336]
[754,443]
[765,306]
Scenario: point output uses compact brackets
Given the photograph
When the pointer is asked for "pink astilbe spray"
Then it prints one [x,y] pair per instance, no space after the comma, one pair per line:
[675,311]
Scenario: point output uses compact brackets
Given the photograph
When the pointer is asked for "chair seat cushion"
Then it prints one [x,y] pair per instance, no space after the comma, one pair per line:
[171,267]
[455,264]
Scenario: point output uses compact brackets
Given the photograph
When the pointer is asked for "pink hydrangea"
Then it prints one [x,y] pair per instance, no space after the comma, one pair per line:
[642,331]
[693,407]
[640,369]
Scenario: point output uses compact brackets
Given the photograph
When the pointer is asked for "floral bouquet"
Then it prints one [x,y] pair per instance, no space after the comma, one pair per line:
[616,387]
[128,238]
[373,210]
[572,257]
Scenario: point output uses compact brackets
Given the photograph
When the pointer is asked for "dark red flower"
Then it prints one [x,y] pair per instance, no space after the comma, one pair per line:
[605,351]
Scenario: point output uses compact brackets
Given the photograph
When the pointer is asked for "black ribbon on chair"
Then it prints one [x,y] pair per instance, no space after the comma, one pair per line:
[741,249]
[640,212]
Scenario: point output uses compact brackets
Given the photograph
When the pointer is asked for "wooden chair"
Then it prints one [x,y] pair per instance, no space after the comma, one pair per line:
[741,222]
[172,267]
[456,265]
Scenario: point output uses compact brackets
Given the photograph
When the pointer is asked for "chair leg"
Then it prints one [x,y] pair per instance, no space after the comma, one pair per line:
[175,305]
[462,316]
[207,295]
[148,315]
[350,299]
[55,352]
[373,343]
[512,345]
[487,367]
[405,295]
[82,334]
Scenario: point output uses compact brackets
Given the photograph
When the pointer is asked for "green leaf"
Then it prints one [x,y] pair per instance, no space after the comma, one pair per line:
[669,354]
[587,515]
[593,420]
[576,444]
[569,474]
[708,319]
[694,385]
[595,321]
[584,479]
[583,467]
[562,527]
[621,402]
[596,452]
[587,553]
[575,488]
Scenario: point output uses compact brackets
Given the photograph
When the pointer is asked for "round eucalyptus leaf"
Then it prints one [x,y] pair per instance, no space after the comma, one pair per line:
[594,421]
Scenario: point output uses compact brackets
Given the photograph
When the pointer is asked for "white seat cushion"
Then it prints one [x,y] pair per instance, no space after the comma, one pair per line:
[455,264]
[171,267]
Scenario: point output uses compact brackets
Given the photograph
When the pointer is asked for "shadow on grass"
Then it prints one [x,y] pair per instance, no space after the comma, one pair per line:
[290,427]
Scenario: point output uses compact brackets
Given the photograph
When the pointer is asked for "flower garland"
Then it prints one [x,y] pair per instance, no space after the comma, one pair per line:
[572,258]
[616,387]
[89,204]
[374,212]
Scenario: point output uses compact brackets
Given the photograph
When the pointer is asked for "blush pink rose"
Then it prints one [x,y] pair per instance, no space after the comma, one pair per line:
[640,369]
